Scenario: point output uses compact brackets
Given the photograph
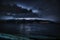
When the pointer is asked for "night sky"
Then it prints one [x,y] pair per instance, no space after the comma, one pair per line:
[47,9]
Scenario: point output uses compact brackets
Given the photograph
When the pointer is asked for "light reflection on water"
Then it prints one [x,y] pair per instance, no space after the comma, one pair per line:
[30,28]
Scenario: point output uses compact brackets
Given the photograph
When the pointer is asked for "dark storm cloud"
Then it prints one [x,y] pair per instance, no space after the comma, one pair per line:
[43,5]
[47,8]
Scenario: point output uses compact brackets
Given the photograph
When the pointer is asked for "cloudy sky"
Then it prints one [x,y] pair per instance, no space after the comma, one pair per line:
[45,8]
